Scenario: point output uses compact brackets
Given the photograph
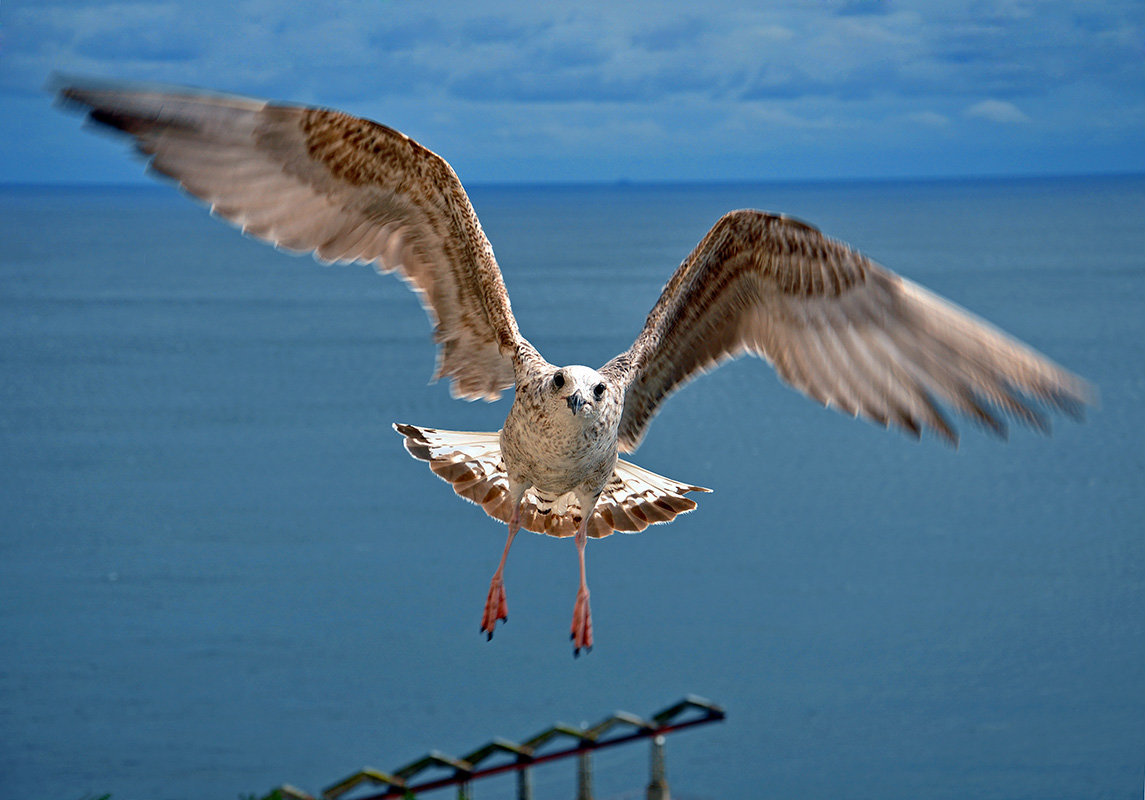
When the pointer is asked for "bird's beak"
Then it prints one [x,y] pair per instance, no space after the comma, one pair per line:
[576,402]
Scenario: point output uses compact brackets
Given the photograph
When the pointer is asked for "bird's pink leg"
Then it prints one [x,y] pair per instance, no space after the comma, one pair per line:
[582,615]
[496,607]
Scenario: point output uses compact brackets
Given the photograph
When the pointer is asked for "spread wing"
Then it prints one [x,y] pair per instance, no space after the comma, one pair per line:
[343,188]
[838,327]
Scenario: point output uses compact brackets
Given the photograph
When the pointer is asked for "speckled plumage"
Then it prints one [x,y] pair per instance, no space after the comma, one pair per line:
[835,325]
[552,449]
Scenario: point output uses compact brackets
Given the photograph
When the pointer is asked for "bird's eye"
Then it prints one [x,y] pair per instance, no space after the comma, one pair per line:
[598,390]
[558,380]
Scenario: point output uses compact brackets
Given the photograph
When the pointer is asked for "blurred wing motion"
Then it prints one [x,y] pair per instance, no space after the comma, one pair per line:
[343,188]
[838,327]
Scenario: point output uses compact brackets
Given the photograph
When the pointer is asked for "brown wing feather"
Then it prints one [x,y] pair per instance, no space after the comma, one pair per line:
[836,326]
[340,187]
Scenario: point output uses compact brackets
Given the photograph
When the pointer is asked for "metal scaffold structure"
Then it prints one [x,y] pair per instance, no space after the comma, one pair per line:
[620,728]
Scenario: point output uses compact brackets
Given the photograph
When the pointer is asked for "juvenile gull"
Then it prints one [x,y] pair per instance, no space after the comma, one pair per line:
[840,328]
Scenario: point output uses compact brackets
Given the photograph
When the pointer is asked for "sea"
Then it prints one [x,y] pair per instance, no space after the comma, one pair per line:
[220,571]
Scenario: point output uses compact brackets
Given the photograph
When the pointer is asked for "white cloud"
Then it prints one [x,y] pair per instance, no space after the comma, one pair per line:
[996,111]
[735,80]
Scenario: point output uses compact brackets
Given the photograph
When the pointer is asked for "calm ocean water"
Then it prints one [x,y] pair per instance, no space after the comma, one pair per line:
[219,570]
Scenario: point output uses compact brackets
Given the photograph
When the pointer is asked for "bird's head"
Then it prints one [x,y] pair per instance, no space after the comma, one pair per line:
[581,392]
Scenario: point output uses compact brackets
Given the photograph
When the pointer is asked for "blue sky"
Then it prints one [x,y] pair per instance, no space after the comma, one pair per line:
[520,90]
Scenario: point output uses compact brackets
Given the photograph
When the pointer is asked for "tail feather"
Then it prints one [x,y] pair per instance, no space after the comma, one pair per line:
[471,462]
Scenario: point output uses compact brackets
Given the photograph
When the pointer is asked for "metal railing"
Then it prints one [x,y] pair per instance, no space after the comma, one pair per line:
[620,728]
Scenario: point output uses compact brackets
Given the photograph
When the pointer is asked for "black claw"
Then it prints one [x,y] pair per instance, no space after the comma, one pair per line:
[489,636]
[576,652]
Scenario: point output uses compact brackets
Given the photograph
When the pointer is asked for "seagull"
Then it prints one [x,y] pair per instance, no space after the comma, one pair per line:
[848,333]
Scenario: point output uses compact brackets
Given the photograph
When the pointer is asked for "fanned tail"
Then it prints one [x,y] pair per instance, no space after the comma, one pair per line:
[471,462]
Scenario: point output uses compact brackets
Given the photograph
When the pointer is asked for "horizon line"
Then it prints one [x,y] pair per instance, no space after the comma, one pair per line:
[148,182]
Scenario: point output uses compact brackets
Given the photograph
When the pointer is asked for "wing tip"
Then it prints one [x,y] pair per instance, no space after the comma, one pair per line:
[73,88]
[1073,398]
[69,91]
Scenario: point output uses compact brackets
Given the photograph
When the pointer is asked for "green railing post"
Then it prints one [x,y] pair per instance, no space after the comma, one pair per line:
[525,784]
[658,783]
[584,776]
